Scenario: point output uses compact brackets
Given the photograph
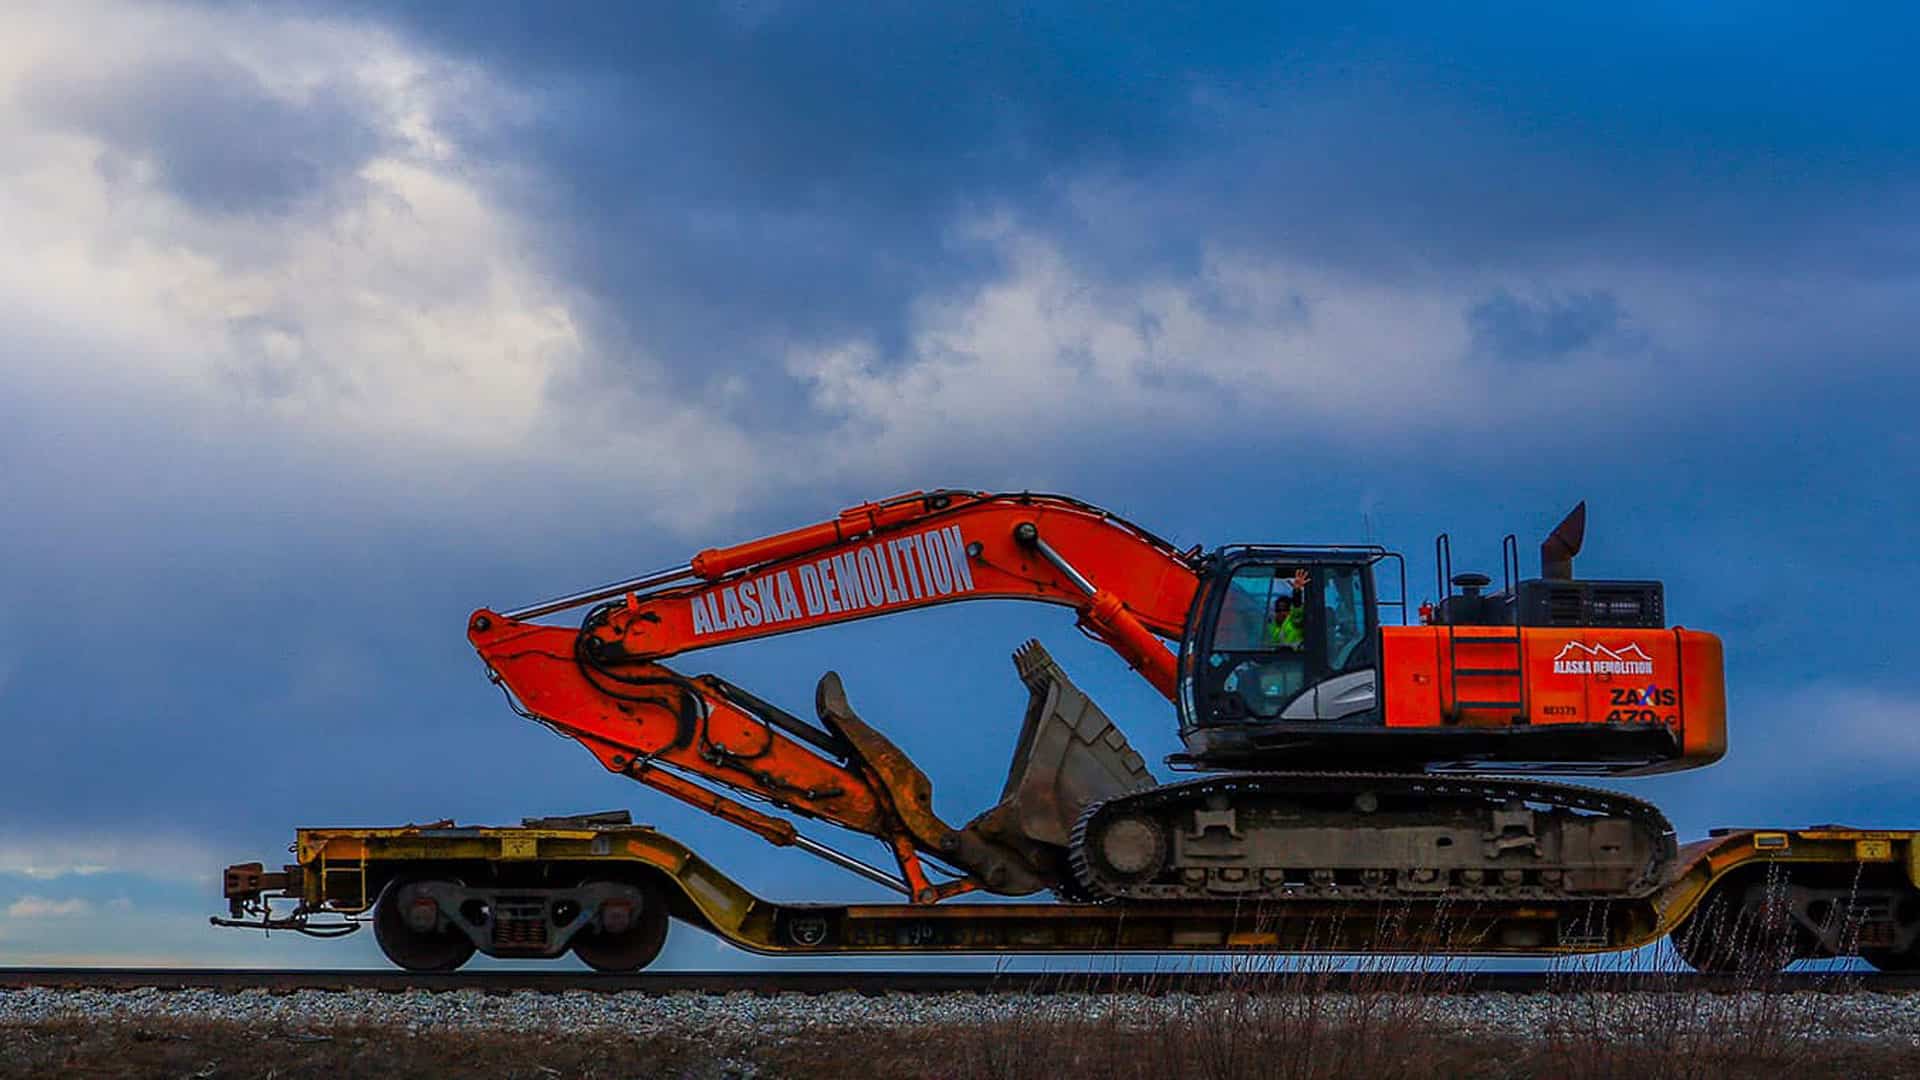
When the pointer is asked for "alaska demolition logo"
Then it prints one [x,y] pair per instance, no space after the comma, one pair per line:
[1579,658]
[880,574]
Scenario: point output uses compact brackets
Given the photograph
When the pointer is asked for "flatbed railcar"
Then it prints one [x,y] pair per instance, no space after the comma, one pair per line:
[606,890]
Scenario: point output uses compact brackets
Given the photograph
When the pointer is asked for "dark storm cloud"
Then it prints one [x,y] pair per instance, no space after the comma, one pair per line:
[719,182]
[1507,328]
[214,134]
[730,181]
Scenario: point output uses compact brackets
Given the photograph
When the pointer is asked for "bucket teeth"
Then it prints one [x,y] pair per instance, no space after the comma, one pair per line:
[1033,662]
[1069,754]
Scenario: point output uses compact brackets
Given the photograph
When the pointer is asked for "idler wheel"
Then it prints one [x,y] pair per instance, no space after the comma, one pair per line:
[1133,847]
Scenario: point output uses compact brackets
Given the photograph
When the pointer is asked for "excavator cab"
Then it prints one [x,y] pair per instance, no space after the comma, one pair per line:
[1287,663]
[1283,635]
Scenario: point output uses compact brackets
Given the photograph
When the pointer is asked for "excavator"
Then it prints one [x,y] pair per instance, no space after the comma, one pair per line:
[1338,744]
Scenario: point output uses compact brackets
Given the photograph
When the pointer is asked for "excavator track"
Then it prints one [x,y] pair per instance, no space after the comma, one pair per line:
[1387,836]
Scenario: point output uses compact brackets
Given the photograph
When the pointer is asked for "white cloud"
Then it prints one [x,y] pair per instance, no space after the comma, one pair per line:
[41,907]
[1863,730]
[1803,754]
[398,308]
[397,319]
[47,856]
[159,931]
[1268,346]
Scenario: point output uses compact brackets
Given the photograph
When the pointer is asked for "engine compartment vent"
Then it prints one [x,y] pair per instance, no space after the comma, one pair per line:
[1630,604]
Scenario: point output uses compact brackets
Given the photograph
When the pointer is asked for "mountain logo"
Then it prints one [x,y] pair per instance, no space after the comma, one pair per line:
[1579,658]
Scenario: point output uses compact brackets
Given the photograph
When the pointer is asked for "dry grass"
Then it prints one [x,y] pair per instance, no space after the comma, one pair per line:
[1292,1020]
[1395,1019]
[1225,1037]
[210,1049]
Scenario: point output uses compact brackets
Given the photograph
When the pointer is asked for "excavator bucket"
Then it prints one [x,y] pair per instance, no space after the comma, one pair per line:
[1069,754]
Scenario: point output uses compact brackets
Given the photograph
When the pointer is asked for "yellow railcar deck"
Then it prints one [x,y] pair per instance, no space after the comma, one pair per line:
[339,872]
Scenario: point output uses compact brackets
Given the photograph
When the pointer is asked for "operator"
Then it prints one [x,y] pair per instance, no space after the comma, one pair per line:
[1286,630]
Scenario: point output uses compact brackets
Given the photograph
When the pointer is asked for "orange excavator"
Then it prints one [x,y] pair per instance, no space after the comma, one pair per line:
[1335,751]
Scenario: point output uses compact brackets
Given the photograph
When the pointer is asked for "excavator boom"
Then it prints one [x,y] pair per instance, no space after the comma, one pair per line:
[912,551]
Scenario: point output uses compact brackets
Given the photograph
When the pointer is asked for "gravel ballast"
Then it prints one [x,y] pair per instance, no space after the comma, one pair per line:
[1293,1034]
[1859,1015]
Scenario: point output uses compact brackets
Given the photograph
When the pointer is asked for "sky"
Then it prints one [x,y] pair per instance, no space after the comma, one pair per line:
[326,324]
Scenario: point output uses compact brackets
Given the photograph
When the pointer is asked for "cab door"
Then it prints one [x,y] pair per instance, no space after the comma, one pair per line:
[1343,627]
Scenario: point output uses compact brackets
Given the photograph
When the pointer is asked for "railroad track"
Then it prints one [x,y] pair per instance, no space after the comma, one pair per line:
[1439,980]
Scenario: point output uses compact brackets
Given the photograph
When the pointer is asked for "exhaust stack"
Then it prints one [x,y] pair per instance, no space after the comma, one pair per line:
[1562,544]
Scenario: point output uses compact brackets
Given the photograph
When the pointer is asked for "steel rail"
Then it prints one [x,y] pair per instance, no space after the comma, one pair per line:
[1413,980]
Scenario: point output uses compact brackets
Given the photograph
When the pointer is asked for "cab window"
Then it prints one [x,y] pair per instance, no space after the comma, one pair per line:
[1257,663]
[1247,610]
[1344,614]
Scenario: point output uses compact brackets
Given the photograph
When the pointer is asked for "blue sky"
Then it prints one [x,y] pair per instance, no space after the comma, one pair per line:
[327,324]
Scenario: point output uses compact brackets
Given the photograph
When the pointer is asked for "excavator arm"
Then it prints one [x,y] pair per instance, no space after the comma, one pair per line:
[605,686]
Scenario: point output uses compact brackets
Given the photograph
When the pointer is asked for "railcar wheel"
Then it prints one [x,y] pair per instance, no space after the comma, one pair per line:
[414,933]
[627,933]
[1906,912]
[1746,933]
